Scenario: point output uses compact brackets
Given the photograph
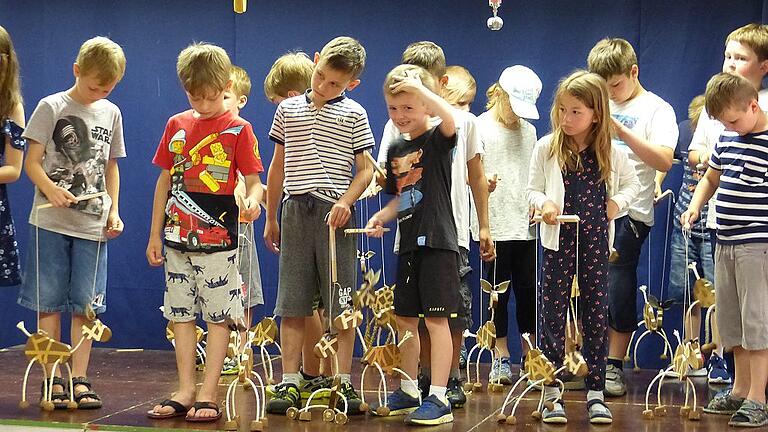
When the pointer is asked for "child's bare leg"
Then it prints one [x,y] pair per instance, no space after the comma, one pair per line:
[216,350]
[457,338]
[292,336]
[502,350]
[346,347]
[441,351]
[409,350]
[82,356]
[693,328]
[743,379]
[248,322]
[186,342]
[758,370]
[51,324]
[313,331]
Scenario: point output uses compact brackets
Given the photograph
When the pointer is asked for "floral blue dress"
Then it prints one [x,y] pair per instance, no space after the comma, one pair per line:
[10,271]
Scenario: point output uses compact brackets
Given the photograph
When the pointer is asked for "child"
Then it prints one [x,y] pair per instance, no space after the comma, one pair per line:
[508,140]
[737,168]
[746,54]
[646,130]
[291,75]
[466,169]
[699,244]
[75,138]
[577,171]
[195,213]
[419,174]
[461,88]
[320,193]
[12,152]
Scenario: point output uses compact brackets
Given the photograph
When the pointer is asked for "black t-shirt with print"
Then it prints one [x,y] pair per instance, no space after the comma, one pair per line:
[419,172]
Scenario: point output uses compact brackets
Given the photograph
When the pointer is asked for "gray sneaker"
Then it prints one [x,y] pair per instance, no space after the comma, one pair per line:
[614,381]
[501,371]
[724,403]
[750,414]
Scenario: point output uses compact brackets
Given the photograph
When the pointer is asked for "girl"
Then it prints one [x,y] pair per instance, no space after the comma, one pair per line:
[12,153]
[575,170]
[509,141]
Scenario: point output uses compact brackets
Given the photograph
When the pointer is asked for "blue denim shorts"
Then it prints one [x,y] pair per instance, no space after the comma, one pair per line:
[66,275]
[700,251]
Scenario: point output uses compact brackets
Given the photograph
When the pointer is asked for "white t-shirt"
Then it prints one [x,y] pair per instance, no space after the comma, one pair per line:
[708,131]
[653,119]
[468,145]
[507,154]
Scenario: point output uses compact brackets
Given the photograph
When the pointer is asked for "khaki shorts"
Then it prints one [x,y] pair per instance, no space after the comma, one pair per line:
[741,295]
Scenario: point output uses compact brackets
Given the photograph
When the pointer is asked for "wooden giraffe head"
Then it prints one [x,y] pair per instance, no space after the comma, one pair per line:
[575,363]
[704,292]
[348,319]
[327,346]
[265,332]
[97,331]
[493,291]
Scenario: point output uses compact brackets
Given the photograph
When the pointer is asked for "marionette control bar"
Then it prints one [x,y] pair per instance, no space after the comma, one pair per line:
[560,219]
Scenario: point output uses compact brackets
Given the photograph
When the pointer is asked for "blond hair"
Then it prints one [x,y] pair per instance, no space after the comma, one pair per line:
[497,97]
[203,67]
[241,82]
[611,56]
[290,72]
[755,36]
[411,70]
[592,91]
[460,84]
[102,57]
[726,90]
[344,54]
[10,93]
[694,110]
[426,54]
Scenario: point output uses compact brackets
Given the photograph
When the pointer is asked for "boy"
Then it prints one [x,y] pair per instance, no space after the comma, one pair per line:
[646,129]
[467,165]
[737,168]
[75,138]
[746,54]
[419,174]
[291,75]
[461,88]
[201,153]
[318,137]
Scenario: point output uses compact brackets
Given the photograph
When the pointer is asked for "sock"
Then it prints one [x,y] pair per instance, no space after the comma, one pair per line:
[551,393]
[455,374]
[619,363]
[292,378]
[306,377]
[410,388]
[345,378]
[439,392]
[595,394]
[427,372]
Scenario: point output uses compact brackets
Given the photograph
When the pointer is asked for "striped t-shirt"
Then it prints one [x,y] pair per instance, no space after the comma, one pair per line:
[320,144]
[742,198]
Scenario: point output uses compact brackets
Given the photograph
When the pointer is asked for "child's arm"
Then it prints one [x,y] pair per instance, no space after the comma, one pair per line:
[33,166]
[628,185]
[341,211]
[704,191]
[537,183]
[435,104]
[14,157]
[155,245]
[382,217]
[478,183]
[112,177]
[656,156]
[275,178]
[251,210]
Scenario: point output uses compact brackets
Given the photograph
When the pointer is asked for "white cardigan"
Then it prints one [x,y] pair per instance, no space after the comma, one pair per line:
[545,182]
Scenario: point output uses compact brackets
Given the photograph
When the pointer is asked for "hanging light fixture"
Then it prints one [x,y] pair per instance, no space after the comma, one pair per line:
[241,6]
[495,22]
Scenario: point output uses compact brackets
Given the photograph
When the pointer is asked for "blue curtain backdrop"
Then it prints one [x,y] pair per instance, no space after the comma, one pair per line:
[679,45]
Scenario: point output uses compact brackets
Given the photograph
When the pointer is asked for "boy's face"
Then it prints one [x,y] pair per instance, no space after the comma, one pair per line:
[464,103]
[329,83]
[209,103]
[408,113]
[89,88]
[621,87]
[739,59]
[742,120]
[234,102]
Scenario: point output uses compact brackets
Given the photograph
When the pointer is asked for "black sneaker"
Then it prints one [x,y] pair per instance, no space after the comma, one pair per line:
[455,393]
[353,399]
[423,382]
[286,395]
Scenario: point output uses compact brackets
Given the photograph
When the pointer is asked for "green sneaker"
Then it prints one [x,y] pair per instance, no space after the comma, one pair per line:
[308,386]
[230,367]
[353,399]
[285,395]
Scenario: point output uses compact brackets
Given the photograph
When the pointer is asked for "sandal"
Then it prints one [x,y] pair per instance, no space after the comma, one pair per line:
[750,414]
[88,394]
[599,417]
[556,415]
[204,405]
[178,410]
[62,396]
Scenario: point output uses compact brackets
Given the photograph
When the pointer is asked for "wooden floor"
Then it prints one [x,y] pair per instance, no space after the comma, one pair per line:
[132,382]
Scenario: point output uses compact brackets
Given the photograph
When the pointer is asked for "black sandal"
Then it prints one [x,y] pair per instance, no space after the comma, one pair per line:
[178,410]
[88,394]
[62,396]
[204,405]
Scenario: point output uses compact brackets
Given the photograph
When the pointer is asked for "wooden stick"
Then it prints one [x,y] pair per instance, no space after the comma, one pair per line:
[332,253]
[375,164]
[362,230]
[561,218]
[77,199]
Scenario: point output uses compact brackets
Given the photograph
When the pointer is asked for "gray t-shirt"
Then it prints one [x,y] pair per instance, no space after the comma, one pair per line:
[78,142]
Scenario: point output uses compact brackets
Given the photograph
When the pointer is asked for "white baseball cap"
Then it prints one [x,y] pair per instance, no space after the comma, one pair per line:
[523,87]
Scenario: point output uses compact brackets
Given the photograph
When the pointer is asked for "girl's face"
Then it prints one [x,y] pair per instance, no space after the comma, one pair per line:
[576,119]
